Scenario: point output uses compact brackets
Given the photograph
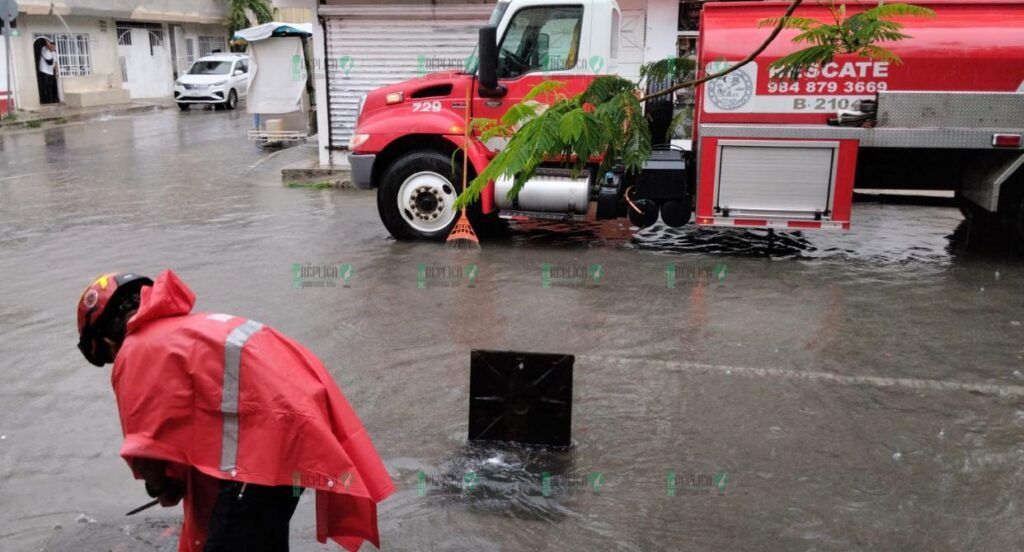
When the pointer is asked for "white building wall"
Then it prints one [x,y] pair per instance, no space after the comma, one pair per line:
[193,32]
[106,69]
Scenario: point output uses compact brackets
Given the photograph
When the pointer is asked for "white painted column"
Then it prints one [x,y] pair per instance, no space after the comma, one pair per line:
[323,122]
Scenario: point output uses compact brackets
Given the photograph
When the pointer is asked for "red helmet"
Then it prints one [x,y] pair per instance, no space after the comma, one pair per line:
[92,308]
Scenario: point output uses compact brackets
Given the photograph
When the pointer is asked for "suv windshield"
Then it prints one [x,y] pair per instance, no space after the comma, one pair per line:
[210,68]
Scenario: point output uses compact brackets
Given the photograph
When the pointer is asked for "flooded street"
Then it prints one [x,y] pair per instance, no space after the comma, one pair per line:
[814,391]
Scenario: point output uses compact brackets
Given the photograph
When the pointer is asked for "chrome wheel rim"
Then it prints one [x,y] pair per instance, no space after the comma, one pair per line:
[426,201]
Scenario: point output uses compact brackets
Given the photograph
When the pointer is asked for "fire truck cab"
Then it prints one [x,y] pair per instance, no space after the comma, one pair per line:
[767,152]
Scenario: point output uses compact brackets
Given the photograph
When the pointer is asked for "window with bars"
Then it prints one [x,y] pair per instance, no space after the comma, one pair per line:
[190,50]
[156,39]
[210,44]
[73,58]
[124,36]
[155,32]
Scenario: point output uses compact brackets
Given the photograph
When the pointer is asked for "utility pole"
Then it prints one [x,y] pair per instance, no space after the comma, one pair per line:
[9,11]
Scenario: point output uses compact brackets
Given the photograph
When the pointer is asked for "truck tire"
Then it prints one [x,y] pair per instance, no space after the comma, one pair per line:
[416,196]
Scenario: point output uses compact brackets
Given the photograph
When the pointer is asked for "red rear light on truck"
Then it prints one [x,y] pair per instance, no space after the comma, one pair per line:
[1006,140]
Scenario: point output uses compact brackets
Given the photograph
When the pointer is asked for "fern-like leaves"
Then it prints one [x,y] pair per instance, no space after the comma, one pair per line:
[604,122]
[857,34]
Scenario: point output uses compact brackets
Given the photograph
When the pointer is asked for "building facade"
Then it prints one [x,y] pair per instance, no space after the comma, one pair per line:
[110,51]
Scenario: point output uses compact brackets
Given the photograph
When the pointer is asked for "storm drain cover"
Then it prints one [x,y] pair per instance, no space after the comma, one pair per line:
[520,397]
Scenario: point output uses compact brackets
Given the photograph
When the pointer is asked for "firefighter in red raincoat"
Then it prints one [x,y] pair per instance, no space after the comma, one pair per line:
[231,416]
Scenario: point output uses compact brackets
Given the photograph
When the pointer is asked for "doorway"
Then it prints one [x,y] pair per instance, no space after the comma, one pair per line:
[47,69]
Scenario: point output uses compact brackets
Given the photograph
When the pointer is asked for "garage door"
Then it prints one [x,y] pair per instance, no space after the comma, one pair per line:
[367,51]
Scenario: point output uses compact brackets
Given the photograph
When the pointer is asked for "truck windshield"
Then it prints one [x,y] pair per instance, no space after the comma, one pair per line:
[473,63]
[210,68]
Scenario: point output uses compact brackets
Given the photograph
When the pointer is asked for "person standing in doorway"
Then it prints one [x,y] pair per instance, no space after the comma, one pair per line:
[46,72]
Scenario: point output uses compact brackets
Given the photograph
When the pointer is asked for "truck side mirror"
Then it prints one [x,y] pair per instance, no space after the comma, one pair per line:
[488,86]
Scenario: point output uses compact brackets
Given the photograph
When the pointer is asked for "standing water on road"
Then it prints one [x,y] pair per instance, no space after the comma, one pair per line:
[817,391]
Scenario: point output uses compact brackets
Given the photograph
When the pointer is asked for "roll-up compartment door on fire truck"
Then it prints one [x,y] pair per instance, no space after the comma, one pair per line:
[776,183]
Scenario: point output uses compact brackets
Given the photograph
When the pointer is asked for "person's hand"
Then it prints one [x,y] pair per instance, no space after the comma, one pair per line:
[169,491]
[172,493]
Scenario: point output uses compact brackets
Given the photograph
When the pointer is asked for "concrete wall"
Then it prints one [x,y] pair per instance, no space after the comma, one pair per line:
[295,15]
[197,11]
[191,31]
[106,68]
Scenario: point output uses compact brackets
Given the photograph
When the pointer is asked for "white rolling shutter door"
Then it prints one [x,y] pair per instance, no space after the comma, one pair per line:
[367,53]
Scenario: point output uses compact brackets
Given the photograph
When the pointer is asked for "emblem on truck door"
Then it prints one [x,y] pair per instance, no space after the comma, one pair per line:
[731,91]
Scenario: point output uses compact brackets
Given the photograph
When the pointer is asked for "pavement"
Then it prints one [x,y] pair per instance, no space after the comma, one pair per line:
[732,390]
[60,114]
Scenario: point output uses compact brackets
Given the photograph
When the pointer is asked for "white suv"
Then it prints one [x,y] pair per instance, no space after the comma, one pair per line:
[218,79]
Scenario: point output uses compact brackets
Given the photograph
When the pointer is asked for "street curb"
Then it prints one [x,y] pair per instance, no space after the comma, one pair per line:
[307,177]
[73,117]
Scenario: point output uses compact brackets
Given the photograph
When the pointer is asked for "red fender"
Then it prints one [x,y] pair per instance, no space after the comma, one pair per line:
[478,158]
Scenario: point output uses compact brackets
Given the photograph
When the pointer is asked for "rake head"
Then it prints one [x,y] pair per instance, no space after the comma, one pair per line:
[462,236]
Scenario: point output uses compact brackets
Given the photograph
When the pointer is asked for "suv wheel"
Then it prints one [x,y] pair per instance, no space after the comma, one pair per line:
[232,101]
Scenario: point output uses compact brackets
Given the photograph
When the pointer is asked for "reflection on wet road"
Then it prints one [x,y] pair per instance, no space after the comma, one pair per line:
[733,390]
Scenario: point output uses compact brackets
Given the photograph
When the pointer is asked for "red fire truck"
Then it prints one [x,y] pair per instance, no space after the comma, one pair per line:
[763,154]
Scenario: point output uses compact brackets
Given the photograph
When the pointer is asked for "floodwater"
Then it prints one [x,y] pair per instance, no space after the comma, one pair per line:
[732,391]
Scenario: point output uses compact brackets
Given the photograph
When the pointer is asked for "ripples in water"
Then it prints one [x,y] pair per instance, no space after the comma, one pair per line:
[503,479]
[880,234]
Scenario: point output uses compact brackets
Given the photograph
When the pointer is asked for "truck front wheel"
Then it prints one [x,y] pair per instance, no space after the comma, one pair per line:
[416,198]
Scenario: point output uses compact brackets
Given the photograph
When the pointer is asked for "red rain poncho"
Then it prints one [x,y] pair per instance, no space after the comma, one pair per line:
[233,399]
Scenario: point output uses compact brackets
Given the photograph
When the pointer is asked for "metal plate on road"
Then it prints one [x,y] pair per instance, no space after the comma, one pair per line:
[8,10]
